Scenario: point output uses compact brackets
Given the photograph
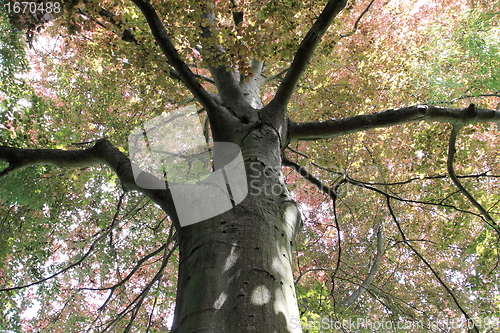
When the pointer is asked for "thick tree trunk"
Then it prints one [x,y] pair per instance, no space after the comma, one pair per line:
[235,272]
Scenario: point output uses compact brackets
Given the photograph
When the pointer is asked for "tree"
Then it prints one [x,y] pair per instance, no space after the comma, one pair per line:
[246,64]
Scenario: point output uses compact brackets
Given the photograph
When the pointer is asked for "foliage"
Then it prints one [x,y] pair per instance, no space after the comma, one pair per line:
[456,48]
[89,80]
[12,59]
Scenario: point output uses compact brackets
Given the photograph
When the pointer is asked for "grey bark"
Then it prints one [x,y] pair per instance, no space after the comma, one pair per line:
[338,127]
[235,272]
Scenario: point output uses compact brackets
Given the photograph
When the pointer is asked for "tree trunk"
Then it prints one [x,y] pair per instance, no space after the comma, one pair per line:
[235,272]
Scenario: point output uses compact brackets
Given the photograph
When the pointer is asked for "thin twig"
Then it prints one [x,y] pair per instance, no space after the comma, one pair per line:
[355,28]
[91,248]
[451,157]
[434,272]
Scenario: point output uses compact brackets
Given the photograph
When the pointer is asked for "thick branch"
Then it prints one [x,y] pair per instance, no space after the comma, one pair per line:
[225,79]
[250,86]
[171,53]
[22,158]
[338,127]
[128,36]
[103,152]
[306,50]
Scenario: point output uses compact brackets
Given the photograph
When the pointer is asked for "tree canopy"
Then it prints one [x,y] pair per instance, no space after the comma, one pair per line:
[400,215]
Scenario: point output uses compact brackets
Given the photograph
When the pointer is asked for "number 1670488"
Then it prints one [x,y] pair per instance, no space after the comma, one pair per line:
[32,7]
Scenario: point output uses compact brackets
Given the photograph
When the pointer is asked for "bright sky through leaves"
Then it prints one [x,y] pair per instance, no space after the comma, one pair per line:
[399,242]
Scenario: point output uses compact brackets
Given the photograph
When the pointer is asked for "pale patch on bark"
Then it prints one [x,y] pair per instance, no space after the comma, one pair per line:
[231,260]
[289,309]
[261,295]
[220,301]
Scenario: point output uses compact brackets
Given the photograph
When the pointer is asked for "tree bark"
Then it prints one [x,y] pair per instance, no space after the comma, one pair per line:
[235,271]
[342,126]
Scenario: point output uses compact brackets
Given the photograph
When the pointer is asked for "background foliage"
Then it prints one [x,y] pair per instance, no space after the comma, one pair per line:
[81,80]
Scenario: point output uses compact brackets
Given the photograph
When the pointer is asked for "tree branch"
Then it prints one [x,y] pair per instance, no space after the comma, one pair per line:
[251,86]
[338,127]
[137,266]
[410,201]
[332,193]
[454,100]
[305,51]
[171,53]
[309,177]
[276,76]
[103,152]
[137,302]
[429,266]
[225,79]
[451,157]
[355,28]
[127,34]
[82,259]
[312,270]
[373,270]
